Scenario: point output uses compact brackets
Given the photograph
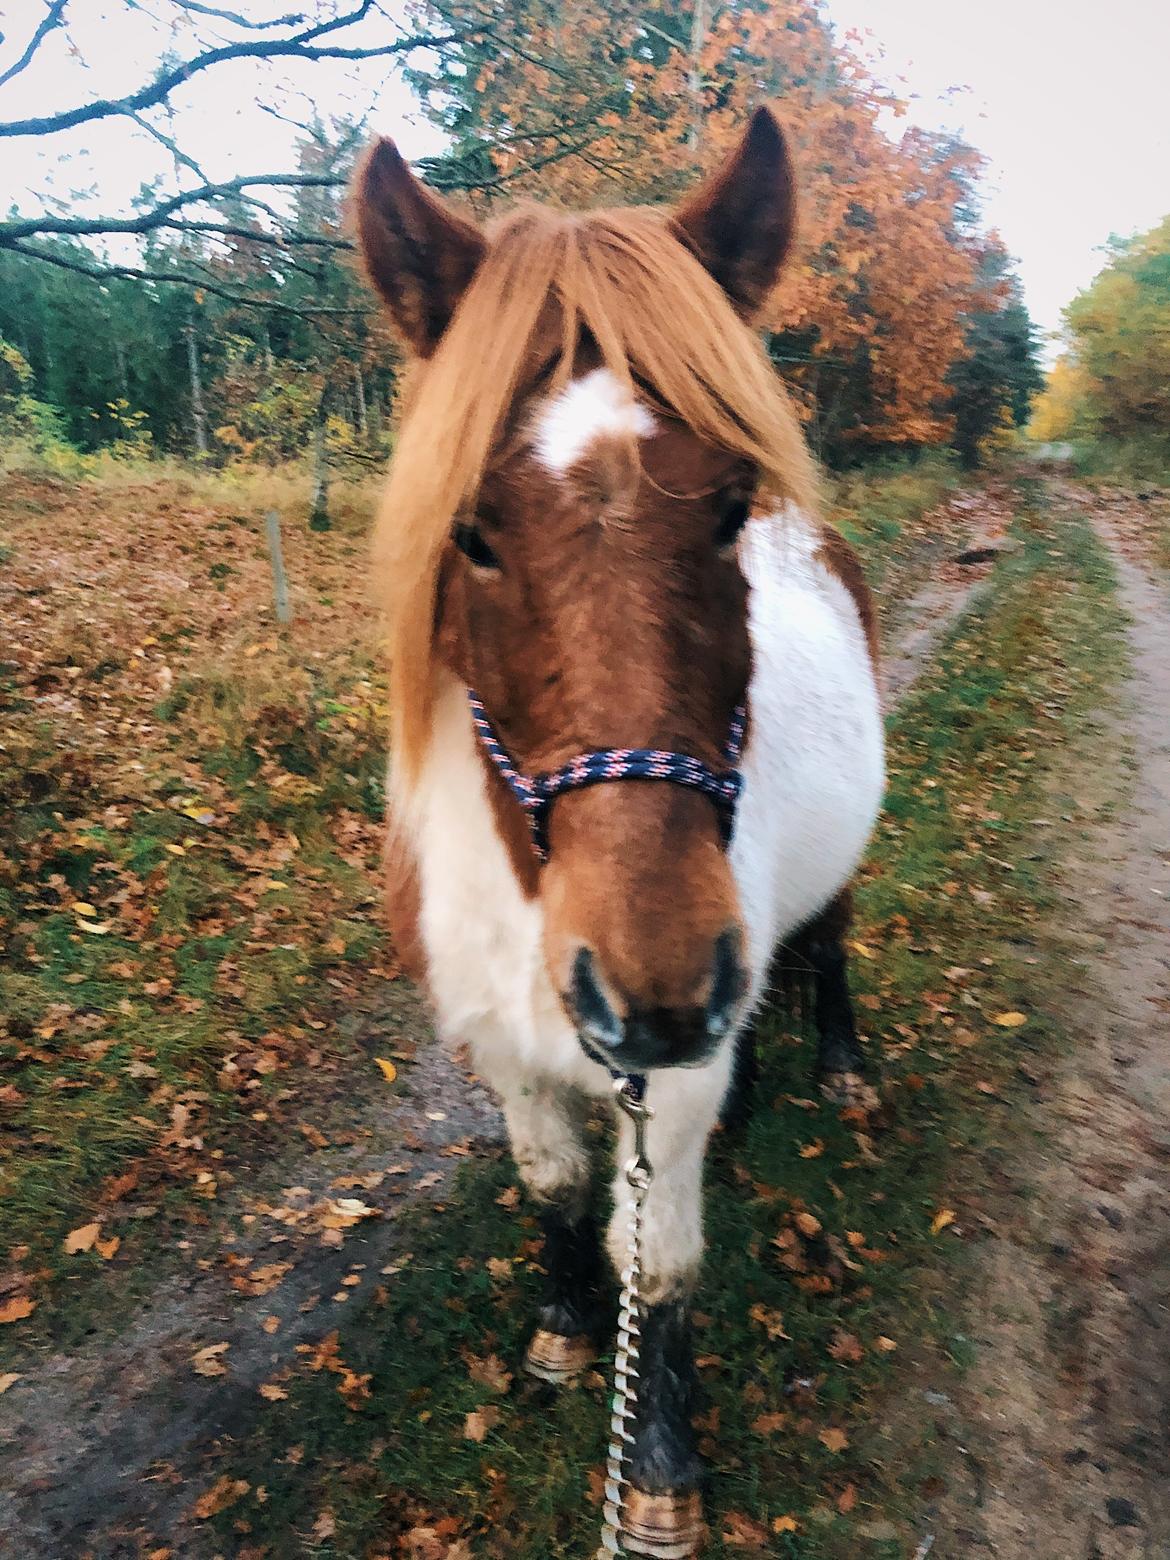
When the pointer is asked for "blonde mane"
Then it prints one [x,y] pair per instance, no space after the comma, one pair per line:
[654,313]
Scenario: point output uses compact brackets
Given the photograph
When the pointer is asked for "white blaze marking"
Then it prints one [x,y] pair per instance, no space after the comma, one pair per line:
[597,406]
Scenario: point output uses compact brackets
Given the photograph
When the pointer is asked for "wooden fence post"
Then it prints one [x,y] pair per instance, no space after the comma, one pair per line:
[279,577]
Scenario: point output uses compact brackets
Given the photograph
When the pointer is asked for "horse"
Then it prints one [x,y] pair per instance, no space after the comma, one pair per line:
[635,734]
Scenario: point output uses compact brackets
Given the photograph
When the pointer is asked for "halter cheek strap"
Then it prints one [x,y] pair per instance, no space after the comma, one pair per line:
[536,793]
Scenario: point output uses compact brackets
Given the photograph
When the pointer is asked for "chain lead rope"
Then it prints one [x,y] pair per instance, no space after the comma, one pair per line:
[624,1408]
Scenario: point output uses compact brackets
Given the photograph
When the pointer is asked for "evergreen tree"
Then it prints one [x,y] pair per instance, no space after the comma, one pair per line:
[993,385]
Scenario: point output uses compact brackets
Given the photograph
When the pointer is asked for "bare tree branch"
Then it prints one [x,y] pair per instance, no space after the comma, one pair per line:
[302,46]
[259,235]
[171,145]
[50,20]
[239,21]
[102,272]
[147,221]
[443,178]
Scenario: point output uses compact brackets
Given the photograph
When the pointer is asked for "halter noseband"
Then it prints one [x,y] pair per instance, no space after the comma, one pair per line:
[536,793]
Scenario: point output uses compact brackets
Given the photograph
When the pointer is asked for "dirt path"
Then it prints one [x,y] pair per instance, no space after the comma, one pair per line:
[1063,1421]
[109,1439]
[923,620]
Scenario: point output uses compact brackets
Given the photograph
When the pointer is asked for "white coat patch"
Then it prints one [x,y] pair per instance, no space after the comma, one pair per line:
[813,770]
[596,406]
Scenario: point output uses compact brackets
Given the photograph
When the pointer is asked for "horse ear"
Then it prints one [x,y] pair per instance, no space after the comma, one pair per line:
[740,222]
[419,253]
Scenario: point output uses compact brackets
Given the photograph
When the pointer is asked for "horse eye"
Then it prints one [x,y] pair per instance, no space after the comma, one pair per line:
[470,541]
[731,522]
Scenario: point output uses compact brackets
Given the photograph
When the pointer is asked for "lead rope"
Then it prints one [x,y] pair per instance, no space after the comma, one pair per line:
[624,1408]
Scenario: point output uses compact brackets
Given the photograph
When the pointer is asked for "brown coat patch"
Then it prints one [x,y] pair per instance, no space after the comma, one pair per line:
[840,559]
[402,904]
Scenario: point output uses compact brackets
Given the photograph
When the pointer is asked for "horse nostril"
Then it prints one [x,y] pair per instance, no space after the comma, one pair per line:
[728,983]
[590,1005]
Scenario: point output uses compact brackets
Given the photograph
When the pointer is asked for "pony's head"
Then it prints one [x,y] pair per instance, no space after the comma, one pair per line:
[589,425]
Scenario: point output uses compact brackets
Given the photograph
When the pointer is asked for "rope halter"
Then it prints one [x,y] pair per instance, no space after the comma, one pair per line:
[536,793]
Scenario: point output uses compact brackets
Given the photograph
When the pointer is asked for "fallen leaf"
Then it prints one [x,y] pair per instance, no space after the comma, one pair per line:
[325,1526]
[8,1379]
[743,1532]
[480,1421]
[82,1238]
[768,1424]
[784,1524]
[387,1069]
[835,1440]
[82,907]
[807,1224]
[812,1150]
[886,1345]
[941,1220]
[16,1309]
[207,1361]
[846,1347]
[491,1372]
[354,1389]
[353,1208]
[222,1494]
[270,1390]
[847,1499]
[771,1321]
[1010,1020]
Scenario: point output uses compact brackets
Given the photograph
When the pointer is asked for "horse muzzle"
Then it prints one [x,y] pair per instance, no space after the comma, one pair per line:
[637,1038]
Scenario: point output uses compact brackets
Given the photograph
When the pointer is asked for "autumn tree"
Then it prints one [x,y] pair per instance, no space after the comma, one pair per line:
[1120,330]
[1112,385]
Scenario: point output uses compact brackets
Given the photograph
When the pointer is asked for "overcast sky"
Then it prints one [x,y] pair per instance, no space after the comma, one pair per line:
[1068,99]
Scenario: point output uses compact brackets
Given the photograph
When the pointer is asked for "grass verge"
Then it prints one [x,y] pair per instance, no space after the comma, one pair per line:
[837,1242]
[190,798]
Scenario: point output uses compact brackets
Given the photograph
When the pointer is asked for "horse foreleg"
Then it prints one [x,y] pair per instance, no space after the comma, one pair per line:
[840,1058]
[662,1510]
[736,1110]
[546,1128]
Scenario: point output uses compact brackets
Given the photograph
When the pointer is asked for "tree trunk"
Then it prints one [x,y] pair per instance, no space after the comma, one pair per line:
[120,360]
[319,502]
[198,410]
[363,421]
[698,39]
